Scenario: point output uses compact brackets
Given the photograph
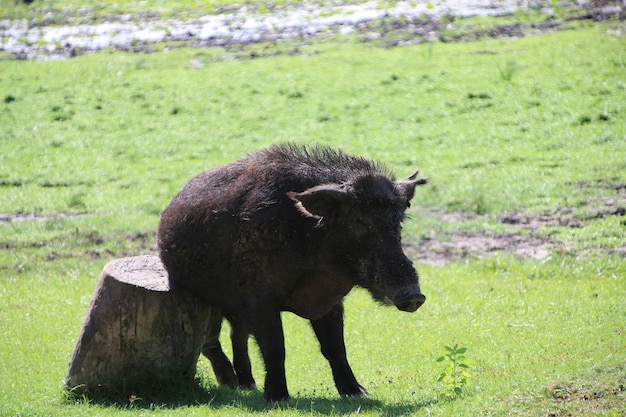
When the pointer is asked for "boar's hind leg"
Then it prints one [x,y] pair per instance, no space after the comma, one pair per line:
[329,332]
[267,329]
[241,359]
[212,349]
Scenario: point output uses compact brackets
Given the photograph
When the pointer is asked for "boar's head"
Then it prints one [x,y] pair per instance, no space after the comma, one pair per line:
[360,223]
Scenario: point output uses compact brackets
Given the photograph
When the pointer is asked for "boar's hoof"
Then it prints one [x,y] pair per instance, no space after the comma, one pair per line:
[275,395]
[275,398]
[360,391]
[247,385]
[411,303]
[226,377]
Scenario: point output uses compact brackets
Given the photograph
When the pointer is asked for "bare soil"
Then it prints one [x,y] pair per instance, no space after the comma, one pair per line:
[525,238]
[525,242]
[21,217]
[66,35]
[477,244]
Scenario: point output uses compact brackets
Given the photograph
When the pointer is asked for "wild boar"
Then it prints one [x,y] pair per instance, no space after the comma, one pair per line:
[289,228]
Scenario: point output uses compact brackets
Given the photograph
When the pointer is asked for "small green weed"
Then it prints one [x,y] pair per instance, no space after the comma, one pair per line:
[456,375]
[77,201]
[509,69]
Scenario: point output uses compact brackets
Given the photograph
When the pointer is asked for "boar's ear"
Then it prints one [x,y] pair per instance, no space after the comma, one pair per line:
[407,185]
[322,201]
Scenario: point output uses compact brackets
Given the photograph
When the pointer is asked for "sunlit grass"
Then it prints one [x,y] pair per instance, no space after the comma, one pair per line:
[95,147]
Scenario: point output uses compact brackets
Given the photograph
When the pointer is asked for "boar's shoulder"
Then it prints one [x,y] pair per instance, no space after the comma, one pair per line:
[315,294]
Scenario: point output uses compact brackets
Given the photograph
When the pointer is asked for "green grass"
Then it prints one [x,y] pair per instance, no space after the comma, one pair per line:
[87,10]
[529,328]
[96,146]
[93,9]
[144,124]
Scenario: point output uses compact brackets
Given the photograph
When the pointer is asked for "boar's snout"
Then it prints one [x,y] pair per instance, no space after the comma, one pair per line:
[409,300]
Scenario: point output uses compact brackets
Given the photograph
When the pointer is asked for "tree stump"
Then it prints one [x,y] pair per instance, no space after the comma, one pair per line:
[138,329]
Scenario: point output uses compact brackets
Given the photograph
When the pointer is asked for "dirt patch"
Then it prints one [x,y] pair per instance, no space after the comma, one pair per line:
[478,244]
[20,217]
[560,217]
[599,392]
[527,242]
[568,216]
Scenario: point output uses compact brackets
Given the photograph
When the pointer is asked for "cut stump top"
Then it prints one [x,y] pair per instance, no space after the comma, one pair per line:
[144,271]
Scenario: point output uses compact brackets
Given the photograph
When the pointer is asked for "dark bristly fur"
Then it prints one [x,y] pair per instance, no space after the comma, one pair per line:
[289,228]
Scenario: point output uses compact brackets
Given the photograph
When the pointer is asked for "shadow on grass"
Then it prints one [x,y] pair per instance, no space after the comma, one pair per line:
[186,393]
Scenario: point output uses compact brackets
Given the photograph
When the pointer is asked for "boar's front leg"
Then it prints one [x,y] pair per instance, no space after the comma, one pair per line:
[329,332]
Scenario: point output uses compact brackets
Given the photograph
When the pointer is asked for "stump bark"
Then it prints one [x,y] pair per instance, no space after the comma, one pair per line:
[139,328]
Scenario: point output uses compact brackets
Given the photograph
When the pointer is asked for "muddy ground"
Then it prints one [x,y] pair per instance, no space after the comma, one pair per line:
[528,235]
[60,35]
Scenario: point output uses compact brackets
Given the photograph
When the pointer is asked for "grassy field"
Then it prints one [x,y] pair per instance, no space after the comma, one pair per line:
[90,9]
[74,8]
[93,148]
